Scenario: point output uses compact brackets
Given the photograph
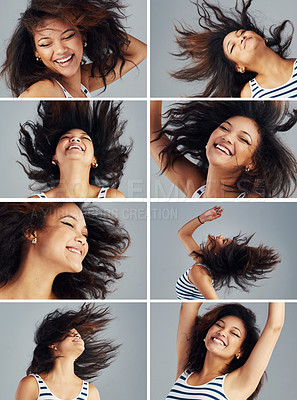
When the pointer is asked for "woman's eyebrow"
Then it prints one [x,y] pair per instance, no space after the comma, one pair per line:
[245,132]
[52,29]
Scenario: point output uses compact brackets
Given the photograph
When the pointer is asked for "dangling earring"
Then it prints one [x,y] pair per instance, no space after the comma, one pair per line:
[34,240]
[54,162]
[85,44]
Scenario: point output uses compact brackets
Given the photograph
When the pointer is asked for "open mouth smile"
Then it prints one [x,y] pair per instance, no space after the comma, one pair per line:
[64,61]
[218,341]
[223,149]
[74,250]
[75,146]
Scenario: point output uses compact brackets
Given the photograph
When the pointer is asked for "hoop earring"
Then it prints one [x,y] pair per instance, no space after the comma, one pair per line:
[54,162]
[95,165]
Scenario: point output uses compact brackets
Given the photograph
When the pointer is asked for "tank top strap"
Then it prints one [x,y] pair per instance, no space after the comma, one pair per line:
[68,95]
[103,192]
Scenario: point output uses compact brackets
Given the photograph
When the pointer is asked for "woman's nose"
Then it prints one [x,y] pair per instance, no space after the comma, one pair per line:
[59,47]
[74,139]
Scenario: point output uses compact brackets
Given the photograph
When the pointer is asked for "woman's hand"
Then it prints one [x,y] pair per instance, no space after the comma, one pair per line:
[211,215]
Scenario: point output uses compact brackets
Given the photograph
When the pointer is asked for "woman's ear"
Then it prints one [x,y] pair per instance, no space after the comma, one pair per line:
[240,68]
[31,235]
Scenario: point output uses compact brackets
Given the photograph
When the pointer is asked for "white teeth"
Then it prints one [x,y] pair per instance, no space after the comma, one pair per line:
[73,250]
[75,146]
[224,149]
[64,59]
[219,341]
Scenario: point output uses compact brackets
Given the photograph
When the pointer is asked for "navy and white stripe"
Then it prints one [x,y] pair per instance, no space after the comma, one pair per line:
[212,390]
[186,290]
[287,90]
[199,192]
[46,394]
[101,195]
[68,95]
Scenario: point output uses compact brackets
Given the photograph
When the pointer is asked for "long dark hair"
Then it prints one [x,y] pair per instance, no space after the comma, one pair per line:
[107,240]
[90,321]
[99,20]
[203,323]
[190,124]
[204,48]
[99,119]
[237,262]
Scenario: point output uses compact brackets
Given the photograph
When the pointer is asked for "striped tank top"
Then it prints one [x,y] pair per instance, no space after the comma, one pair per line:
[199,192]
[101,195]
[212,390]
[287,90]
[46,394]
[186,290]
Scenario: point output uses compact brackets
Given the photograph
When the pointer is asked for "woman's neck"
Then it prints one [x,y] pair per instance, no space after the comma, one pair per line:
[269,65]
[74,182]
[63,370]
[219,185]
[31,281]
[213,366]
[73,84]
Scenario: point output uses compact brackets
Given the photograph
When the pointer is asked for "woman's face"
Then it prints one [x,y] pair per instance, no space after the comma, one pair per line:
[240,46]
[220,241]
[75,145]
[225,338]
[231,146]
[72,345]
[59,45]
[62,244]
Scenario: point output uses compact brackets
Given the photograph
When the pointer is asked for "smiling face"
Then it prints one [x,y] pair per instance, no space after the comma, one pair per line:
[71,346]
[75,145]
[62,244]
[219,241]
[225,338]
[240,47]
[60,46]
[232,145]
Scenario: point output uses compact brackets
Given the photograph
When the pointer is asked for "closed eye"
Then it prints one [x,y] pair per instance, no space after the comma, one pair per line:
[88,138]
[69,37]
[245,141]
[67,223]
[224,128]
[235,334]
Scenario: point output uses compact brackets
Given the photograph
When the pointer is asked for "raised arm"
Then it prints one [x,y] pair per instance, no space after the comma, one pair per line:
[184,174]
[185,234]
[187,318]
[242,382]
[134,53]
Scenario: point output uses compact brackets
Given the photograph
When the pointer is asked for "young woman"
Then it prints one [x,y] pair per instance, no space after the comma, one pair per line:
[235,147]
[47,54]
[220,355]
[74,149]
[58,251]
[235,56]
[68,351]
[220,261]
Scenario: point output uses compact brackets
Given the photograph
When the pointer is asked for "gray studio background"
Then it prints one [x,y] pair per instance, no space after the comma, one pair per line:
[166,13]
[281,370]
[133,84]
[14,181]
[162,187]
[133,283]
[120,380]
[274,225]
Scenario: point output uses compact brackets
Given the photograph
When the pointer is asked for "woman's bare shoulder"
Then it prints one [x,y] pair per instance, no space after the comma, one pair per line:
[114,193]
[93,393]
[44,88]
[246,91]
[27,389]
